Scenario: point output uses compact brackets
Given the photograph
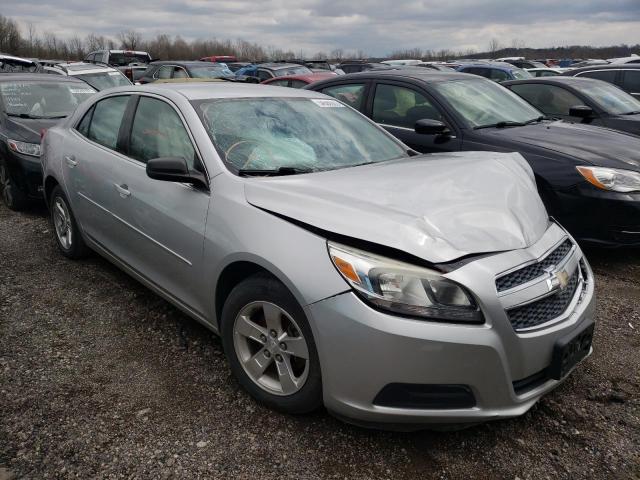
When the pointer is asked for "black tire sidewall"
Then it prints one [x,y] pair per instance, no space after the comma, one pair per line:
[262,287]
[78,248]
[18,196]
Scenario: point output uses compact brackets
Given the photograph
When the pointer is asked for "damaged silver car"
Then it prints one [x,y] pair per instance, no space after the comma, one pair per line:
[339,267]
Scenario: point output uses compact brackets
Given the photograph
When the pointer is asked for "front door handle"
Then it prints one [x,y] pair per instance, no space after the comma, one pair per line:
[123,190]
[71,161]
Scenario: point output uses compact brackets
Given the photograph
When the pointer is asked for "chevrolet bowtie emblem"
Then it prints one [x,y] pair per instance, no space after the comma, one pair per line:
[558,281]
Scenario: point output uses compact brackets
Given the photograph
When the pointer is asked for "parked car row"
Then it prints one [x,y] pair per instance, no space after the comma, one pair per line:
[407,213]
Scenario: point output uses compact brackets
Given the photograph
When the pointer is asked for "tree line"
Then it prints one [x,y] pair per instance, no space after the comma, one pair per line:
[47,45]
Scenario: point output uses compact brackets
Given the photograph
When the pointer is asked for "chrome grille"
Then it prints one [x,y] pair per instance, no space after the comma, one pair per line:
[533,271]
[545,310]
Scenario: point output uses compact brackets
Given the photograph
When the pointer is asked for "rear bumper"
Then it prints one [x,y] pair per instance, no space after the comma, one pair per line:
[363,350]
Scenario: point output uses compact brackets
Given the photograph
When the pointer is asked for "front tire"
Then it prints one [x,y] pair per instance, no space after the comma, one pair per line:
[270,347]
[12,195]
[66,230]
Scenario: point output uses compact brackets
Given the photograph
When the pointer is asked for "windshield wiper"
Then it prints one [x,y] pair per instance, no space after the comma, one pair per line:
[535,120]
[634,112]
[502,124]
[280,171]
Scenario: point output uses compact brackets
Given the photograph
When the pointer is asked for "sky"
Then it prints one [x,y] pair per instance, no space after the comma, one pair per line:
[376,27]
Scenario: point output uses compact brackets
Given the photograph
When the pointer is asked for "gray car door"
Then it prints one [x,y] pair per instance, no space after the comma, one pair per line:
[163,222]
[88,165]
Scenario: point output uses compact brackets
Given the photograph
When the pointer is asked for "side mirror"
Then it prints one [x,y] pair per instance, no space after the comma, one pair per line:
[427,126]
[581,111]
[174,169]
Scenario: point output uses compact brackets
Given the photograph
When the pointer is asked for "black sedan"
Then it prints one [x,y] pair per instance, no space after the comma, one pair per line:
[588,177]
[584,100]
[30,104]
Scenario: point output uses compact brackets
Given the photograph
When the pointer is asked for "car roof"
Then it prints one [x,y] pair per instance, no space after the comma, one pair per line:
[185,63]
[310,77]
[214,90]
[496,65]
[278,66]
[557,79]
[426,75]
[43,77]
[609,66]
[77,67]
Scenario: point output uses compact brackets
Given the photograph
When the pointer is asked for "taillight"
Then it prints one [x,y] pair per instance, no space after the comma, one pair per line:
[43,132]
[129,73]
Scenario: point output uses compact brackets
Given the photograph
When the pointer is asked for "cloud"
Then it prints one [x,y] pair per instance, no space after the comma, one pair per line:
[374,26]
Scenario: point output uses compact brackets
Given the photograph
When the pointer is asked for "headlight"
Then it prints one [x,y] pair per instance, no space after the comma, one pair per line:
[404,288]
[613,179]
[32,149]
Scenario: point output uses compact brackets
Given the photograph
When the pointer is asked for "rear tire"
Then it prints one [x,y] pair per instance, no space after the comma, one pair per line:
[12,195]
[65,228]
[266,337]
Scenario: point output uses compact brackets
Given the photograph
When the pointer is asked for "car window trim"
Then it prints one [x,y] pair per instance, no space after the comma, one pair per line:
[184,124]
[412,86]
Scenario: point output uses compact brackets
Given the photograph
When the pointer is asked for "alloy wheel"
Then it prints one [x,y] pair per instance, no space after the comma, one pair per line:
[62,223]
[271,348]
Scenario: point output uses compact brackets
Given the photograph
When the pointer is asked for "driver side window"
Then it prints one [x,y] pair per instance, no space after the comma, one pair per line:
[158,131]
[402,107]
[549,99]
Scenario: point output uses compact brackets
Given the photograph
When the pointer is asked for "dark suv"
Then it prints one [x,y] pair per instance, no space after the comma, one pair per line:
[624,75]
[124,60]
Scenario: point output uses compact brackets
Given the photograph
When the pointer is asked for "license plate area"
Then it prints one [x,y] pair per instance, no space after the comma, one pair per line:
[569,350]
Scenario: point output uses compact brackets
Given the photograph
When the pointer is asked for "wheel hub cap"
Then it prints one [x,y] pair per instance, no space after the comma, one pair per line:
[271,348]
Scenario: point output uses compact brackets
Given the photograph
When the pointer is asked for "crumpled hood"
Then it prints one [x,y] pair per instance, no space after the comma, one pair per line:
[437,207]
[595,145]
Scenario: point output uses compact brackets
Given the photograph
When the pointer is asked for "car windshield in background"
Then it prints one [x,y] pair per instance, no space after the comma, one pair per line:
[283,72]
[103,80]
[121,59]
[520,74]
[484,103]
[43,99]
[297,133]
[214,71]
[613,100]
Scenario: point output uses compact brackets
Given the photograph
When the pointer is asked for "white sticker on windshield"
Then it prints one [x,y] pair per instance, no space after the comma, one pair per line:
[114,73]
[321,102]
[82,90]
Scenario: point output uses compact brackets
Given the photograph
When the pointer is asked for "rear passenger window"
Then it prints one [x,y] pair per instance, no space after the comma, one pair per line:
[158,132]
[606,75]
[352,95]
[298,84]
[631,81]
[499,75]
[106,120]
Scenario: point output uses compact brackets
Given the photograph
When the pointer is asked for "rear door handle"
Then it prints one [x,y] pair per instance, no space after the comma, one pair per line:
[123,190]
[71,160]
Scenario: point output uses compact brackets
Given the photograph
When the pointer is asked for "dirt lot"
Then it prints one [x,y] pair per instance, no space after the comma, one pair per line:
[101,378]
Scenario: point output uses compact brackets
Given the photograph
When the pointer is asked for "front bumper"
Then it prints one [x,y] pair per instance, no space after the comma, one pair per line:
[600,217]
[362,350]
[27,172]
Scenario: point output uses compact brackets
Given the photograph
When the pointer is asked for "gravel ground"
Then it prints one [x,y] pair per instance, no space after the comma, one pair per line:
[100,378]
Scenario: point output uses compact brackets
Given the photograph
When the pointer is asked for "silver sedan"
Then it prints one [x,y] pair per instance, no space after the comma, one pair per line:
[339,267]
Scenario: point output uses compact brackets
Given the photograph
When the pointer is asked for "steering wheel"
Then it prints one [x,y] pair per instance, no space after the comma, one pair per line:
[251,156]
